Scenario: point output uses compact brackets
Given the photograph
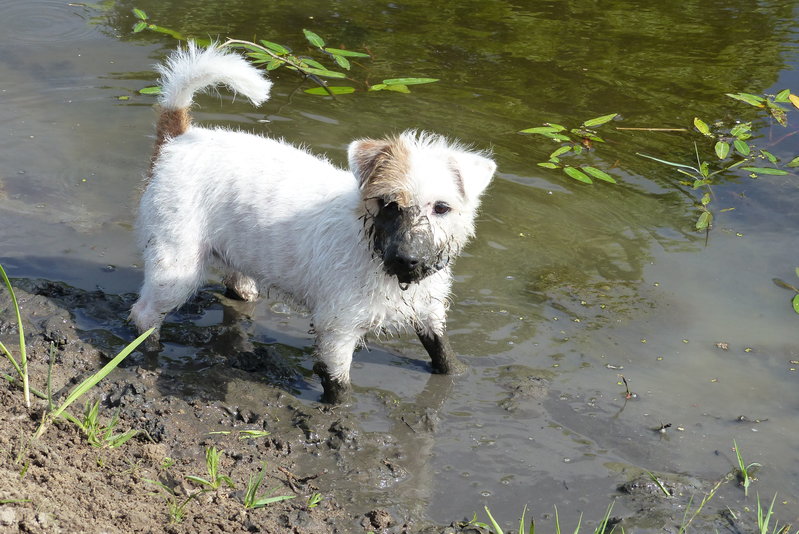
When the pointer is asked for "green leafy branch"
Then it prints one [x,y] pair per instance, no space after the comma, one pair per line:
[576,139]
[732,148]
[273,56]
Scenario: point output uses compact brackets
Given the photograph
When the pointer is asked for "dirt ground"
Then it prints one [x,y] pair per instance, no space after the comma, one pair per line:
[61,483]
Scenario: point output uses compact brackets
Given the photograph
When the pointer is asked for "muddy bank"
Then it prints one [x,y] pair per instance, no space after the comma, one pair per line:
[340,476]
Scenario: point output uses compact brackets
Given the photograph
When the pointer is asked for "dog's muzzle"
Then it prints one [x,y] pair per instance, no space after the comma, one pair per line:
[404,241]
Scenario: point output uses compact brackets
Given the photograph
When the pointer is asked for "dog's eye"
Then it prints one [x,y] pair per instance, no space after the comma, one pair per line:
[440,208]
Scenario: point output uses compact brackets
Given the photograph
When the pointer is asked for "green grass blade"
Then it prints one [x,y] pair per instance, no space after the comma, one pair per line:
[22,368]
[92,381]
[494,524]
[260,503]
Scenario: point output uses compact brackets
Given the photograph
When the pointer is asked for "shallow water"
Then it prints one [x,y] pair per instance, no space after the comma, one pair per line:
[569,283]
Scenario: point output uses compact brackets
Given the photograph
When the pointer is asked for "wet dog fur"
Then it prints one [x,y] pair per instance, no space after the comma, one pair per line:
[365,249]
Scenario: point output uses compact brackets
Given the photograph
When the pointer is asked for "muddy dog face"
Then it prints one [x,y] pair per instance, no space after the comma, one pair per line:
[420,196]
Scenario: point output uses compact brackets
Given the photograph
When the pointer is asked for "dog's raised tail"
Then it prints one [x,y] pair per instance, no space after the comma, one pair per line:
[193,69]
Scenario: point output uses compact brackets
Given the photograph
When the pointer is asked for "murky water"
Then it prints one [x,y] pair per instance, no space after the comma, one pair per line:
[569,283]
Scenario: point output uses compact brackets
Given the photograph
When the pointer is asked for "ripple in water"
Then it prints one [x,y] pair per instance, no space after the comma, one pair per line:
[42,21]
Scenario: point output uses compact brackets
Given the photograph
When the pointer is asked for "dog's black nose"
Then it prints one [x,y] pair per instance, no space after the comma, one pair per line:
[407,262]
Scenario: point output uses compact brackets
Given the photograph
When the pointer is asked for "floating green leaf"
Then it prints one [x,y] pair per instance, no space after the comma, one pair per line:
[274,47]
[325,73]
[783,96]
[752,100]
[326,91]
[741,131]
[398,88]
[577,174]
[562,150]
[409,81]
[154,90]
[540,130]
[139,14]
[765,170]
[722,149]
[314,39]
[704,220]
[348,53]
[706,199]
[702,126]
[139,26]
[548,165]
[742,147]
[599,121]
[556,136]
[795,302]
[600,175]
[769,156]
[343,62]
[794,162]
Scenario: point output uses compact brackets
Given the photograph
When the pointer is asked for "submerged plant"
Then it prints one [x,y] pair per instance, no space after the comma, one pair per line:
[273,56]
[732,149]
[576,139]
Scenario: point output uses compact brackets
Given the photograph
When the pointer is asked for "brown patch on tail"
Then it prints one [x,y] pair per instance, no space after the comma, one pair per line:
[171,123]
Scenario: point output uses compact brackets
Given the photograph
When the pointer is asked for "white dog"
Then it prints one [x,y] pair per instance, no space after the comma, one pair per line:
[365,249]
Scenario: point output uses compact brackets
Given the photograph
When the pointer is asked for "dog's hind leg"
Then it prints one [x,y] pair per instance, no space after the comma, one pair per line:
[169,280]
[240,286]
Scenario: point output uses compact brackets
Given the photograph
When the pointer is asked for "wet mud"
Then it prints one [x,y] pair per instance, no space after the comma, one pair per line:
[340,476]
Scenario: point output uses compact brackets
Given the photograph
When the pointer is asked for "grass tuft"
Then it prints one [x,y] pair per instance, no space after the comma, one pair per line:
[251,498]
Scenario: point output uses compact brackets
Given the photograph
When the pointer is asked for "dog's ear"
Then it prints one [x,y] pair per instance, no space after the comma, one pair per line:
[365,155]
[475,172]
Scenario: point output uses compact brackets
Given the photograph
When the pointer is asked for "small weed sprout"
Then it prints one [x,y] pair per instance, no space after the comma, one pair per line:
[251,498]
[252,434]
[605,526]
[176,505]
[103,436]
[744,473]
[215,480]
[686,520]
[313,500]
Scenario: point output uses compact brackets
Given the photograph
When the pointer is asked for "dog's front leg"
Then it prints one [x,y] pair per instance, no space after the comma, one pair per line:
[437,346]
[334,355]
